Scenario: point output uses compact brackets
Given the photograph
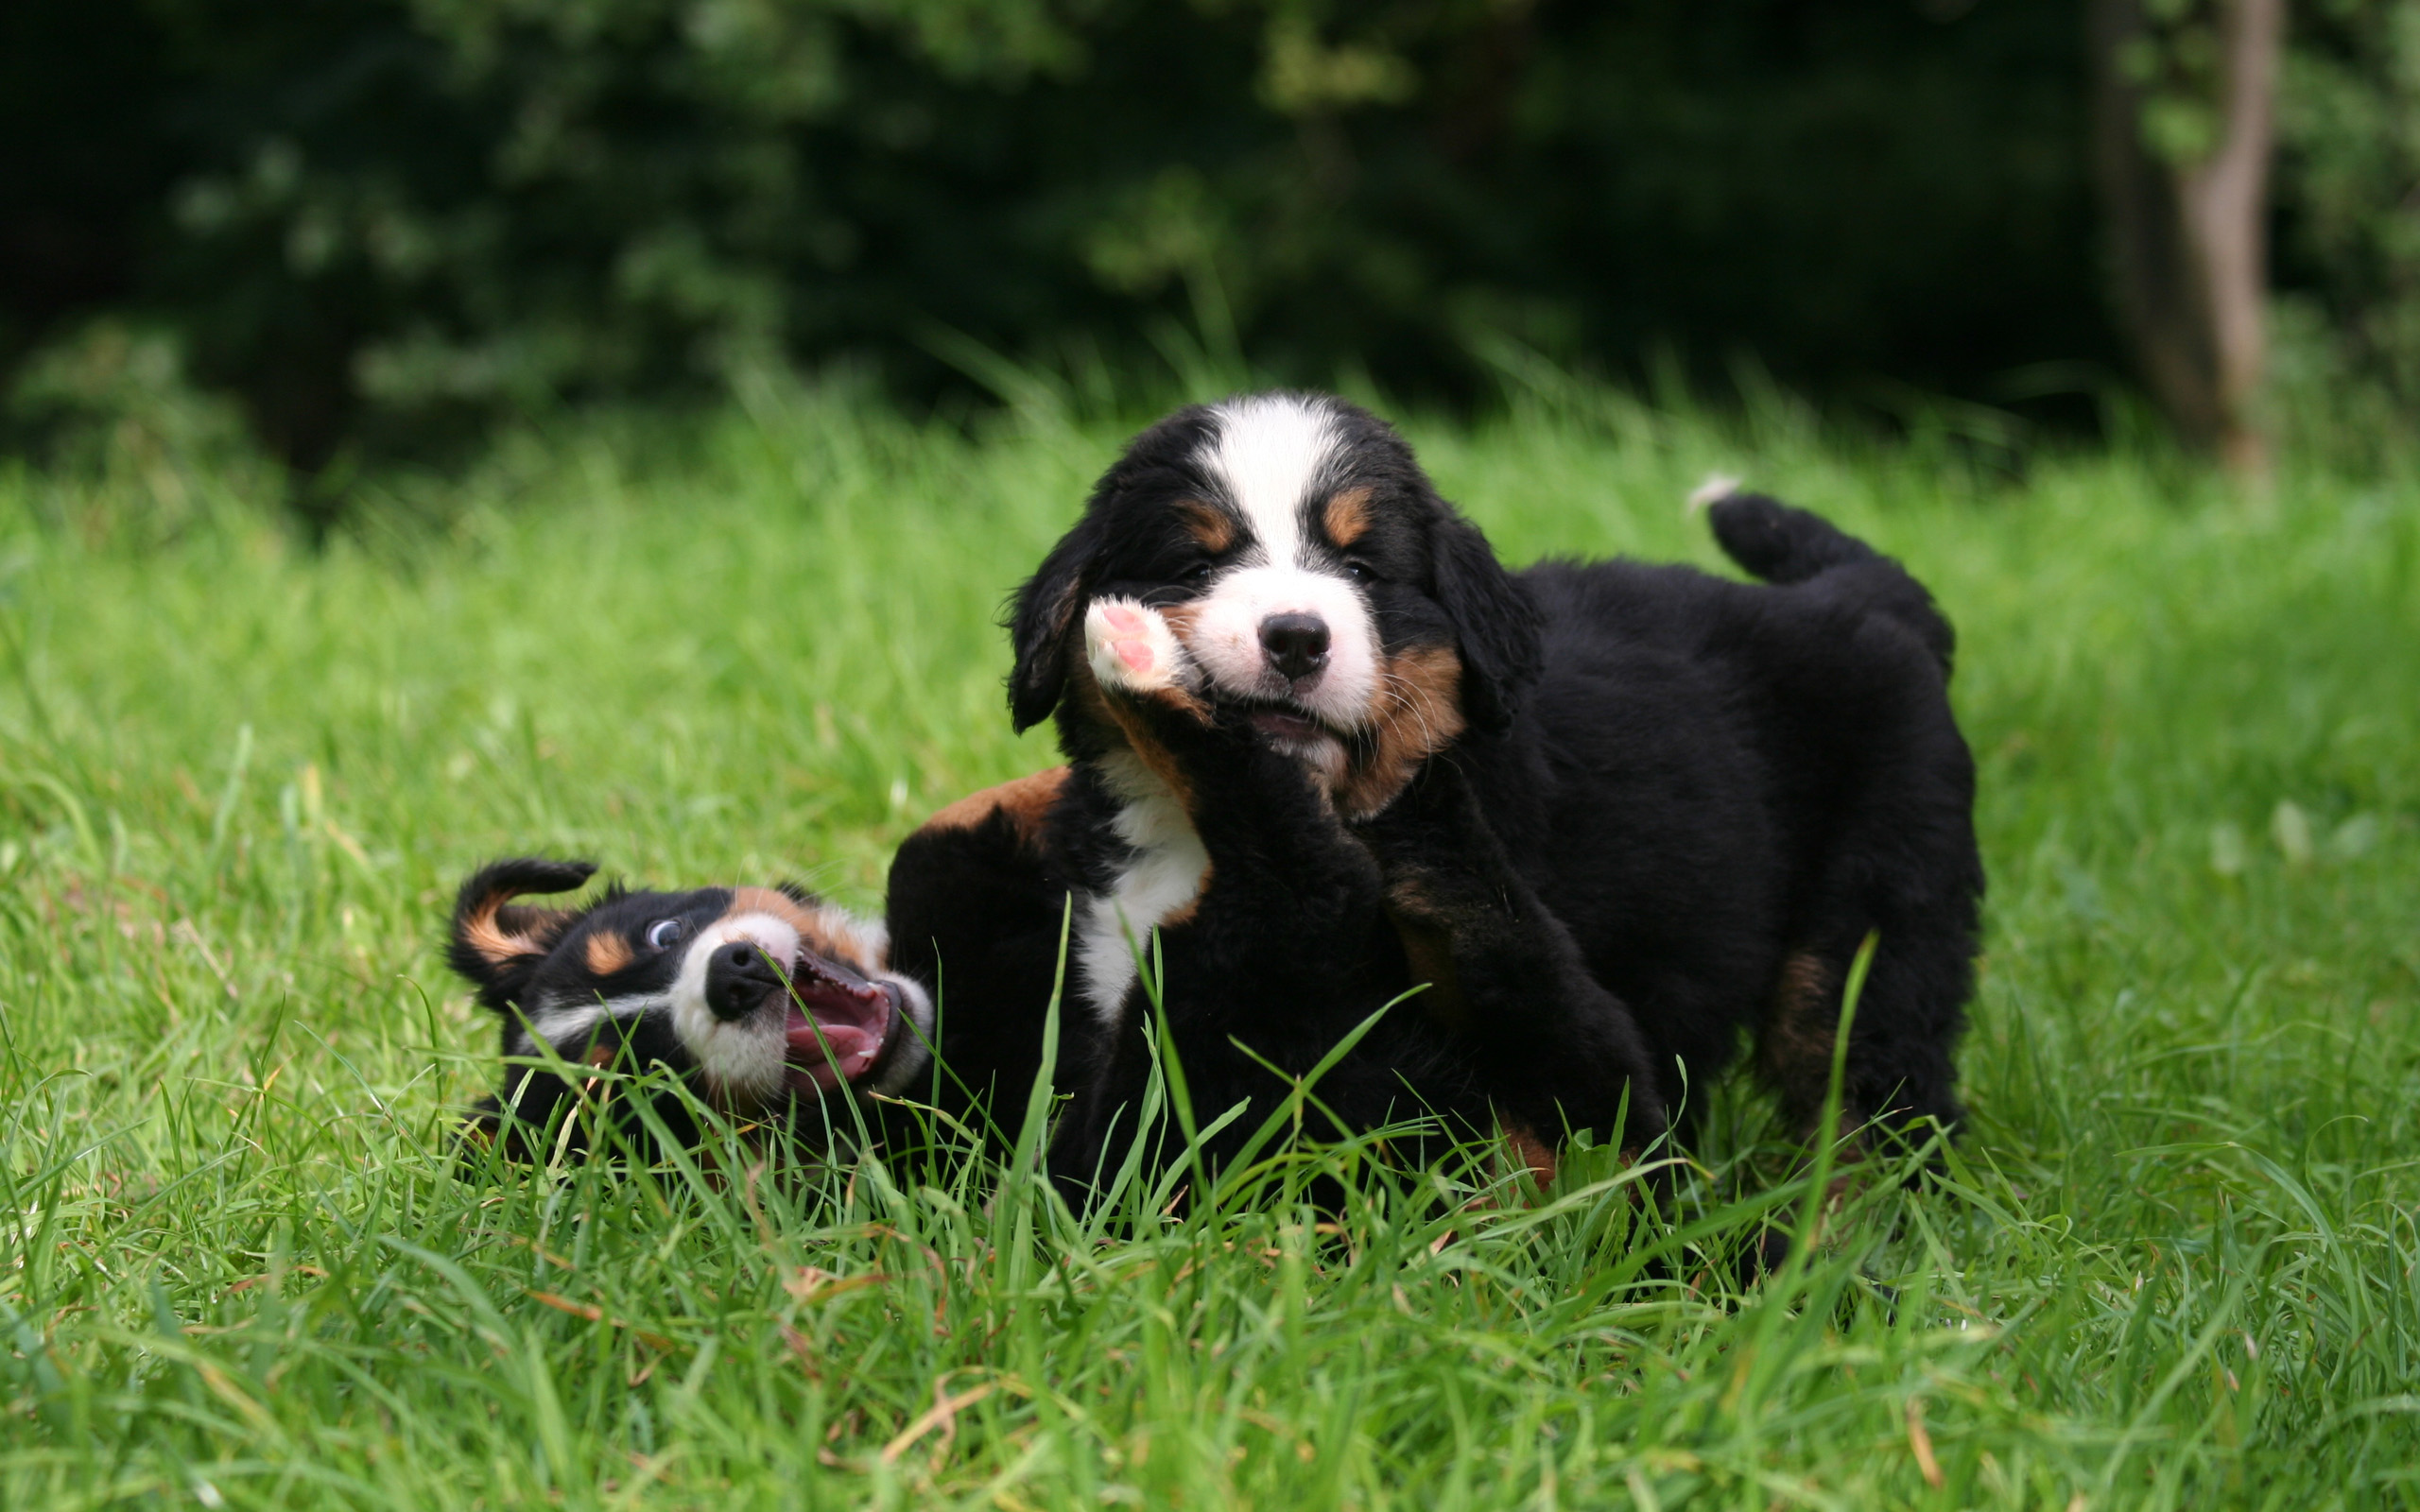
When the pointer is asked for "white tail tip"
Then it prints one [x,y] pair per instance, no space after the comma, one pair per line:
[1717,488]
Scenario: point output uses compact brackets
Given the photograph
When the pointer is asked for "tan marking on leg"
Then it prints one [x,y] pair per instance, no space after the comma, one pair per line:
[1127,724]
[609,952]
[1535,1154]
[1207,523]
[1418,713]
[1026,801]
[1347,516]
[1429,950]
[1794,1049]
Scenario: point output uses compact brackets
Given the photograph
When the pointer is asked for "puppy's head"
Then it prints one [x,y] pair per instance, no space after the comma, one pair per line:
[756,995]
[1312,573]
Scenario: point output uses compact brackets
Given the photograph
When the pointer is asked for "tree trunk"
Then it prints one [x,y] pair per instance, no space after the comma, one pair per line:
[2190,235]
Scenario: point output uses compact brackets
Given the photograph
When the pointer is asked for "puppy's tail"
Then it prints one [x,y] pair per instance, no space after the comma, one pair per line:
[1780,544]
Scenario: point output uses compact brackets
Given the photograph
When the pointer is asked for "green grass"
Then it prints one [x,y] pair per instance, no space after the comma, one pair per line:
[2173,1265]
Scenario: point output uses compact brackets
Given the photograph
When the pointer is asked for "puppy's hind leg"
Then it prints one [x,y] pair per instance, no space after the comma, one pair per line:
[1898,1073]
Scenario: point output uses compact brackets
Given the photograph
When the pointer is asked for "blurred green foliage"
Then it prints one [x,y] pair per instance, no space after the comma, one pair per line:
[2351,131]
[383,222]
[377,218]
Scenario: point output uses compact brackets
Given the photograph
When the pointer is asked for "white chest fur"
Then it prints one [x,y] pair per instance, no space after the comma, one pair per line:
[1161,877]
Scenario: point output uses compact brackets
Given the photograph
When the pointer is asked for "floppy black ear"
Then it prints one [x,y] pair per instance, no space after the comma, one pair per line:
[1042,622]
[1494,621]
[493,942]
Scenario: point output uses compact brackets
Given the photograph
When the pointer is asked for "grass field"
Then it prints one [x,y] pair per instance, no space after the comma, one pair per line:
[2173,1265]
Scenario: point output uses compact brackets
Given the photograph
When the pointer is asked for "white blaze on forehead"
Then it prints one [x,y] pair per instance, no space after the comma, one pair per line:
[1276,455]
[743,1057]
[1270,451]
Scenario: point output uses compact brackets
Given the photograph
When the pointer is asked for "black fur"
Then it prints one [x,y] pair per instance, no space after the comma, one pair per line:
[1673,808]
[1298,937]
[1497,626]
[1714,778]
[1700,793]
[536,1103]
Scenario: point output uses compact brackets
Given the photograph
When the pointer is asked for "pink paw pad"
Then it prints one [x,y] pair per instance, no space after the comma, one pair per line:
[1131,647]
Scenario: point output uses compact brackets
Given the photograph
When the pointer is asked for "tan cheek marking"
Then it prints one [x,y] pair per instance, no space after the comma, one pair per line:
[1347,516]
[1026,801]
[1181,620]
[1419,713]
[608,954]
[1212,526]
[816,929]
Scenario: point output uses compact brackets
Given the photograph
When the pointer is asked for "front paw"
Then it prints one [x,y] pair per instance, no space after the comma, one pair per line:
[1132,652]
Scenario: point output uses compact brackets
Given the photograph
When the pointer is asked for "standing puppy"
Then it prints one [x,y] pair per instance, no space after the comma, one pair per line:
[1314,728]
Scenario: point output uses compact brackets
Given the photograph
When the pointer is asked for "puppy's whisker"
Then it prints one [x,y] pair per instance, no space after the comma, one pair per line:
[1407,699]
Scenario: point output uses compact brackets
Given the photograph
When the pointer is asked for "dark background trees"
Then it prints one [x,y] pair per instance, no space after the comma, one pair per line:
[382,222]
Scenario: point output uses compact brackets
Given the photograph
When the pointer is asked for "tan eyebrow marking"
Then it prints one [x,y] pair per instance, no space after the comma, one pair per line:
[1347,516]
[1207,523]
[609,952]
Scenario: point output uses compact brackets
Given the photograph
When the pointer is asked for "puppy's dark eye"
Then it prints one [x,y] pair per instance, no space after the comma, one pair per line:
[1197,574]
[665,933]
[1358,570]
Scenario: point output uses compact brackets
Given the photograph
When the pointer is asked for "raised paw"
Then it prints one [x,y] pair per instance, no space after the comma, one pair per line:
[1131,648]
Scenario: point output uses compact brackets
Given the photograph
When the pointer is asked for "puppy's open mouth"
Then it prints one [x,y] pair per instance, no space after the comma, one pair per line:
[1287,721]
[839,1025]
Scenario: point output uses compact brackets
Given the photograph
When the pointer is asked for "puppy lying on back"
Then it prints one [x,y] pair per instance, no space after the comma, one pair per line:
[758,996]
[768,1003]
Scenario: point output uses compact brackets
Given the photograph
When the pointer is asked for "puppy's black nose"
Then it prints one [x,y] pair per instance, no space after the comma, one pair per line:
[1296,644]
[739,978]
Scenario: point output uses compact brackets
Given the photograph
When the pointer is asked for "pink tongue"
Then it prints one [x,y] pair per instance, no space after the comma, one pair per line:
[844,1052]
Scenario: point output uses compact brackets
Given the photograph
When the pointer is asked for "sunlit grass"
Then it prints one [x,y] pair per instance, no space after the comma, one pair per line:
[2172,1262]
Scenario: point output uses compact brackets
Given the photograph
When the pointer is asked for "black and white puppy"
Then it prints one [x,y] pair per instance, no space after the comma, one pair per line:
[1268,632]
[759,997]
[1313,582]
